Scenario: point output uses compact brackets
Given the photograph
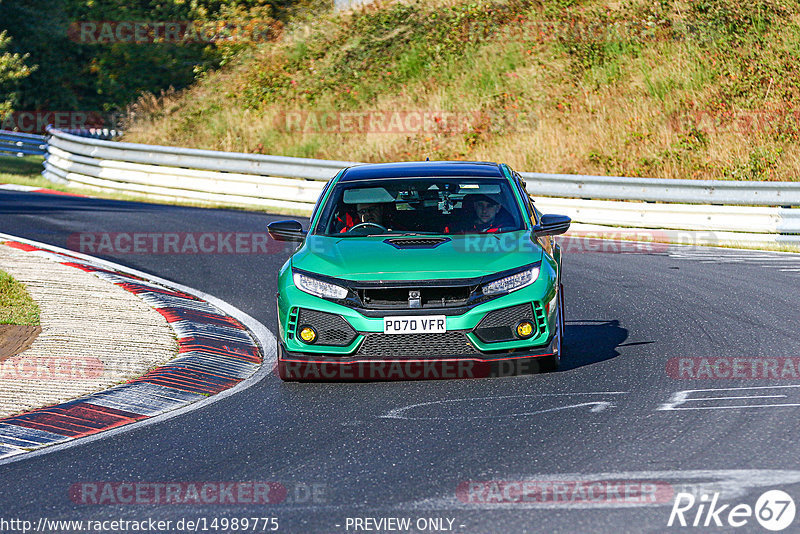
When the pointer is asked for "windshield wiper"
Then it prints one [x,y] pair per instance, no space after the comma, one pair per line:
[419,233]
[390,234]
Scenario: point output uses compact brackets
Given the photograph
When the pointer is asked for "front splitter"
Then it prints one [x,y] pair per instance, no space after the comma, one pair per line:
[305,366]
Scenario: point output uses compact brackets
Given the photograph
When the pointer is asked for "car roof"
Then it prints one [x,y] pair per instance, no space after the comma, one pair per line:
[422,169]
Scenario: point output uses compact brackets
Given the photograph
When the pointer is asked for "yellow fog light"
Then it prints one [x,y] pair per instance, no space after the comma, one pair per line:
[307,334]
[524,329]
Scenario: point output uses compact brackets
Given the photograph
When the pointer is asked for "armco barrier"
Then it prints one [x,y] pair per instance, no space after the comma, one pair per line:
[349,4]
[295,183]
[728,192]
[21,144]
[755,220]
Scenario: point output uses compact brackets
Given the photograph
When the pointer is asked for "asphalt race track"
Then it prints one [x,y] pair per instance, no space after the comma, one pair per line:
[614,415]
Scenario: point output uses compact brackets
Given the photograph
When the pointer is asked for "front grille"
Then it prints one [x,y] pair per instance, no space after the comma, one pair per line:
[331,329]
[499,325]
[430,297]
[412,346]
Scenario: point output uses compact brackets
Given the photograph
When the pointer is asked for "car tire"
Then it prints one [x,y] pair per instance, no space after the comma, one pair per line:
[551,363]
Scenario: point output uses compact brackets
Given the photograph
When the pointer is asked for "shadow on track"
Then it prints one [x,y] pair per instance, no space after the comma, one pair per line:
[591,341]
[23,203]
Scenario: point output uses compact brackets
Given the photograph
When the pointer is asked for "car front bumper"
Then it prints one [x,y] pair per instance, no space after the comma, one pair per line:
[364,352]
[479,340]
[305,366]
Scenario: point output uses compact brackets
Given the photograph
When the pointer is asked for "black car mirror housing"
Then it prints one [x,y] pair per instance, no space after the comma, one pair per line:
[286,231]
[550,224]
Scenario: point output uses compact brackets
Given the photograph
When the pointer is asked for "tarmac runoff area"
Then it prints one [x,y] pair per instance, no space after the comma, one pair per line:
[94,334]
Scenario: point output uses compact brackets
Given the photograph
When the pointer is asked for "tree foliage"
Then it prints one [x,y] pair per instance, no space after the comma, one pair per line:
[44,66]
[12,70]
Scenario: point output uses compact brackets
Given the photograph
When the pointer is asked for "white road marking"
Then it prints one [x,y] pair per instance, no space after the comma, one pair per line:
[783,261]
[680,398]
[729,483]
[734,407]
[597,406]
[747,397]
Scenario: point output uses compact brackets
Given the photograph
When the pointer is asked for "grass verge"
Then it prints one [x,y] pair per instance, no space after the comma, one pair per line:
[16,305]
[23,171]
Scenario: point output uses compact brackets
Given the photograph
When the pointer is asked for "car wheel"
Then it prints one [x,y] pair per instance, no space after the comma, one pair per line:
[551,363]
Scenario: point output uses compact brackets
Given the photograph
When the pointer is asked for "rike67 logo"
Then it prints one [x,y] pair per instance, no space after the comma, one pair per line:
[774,510]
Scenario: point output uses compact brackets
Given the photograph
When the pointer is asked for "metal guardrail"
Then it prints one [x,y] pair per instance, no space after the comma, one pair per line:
[341,5]
[727,192]
[284,182]
[22,144]
[202,175]
[553,185]
[95,133]
[751,220]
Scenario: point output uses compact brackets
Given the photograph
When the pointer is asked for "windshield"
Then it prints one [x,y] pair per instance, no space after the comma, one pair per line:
[420,206]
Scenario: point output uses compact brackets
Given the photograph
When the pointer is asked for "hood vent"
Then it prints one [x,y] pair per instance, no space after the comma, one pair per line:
[416,242]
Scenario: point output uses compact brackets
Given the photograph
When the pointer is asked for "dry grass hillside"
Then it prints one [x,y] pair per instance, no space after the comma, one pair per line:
[673,89]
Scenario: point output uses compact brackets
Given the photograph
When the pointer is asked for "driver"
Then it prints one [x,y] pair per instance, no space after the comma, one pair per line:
[365,213]
[489,214]
[370,213]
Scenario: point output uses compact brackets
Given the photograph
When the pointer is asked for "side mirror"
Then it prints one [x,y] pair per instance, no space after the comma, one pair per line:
[286,231]
[550,224]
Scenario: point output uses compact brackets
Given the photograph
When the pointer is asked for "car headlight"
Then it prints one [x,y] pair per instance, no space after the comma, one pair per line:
[512,282]
[317,287]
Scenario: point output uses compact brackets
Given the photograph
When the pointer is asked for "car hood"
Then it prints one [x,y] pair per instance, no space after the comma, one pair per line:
[372,258]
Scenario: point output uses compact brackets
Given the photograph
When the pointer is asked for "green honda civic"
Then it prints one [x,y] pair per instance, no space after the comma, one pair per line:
[423,270]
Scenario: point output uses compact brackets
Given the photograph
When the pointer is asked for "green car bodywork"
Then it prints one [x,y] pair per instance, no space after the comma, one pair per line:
[471,258]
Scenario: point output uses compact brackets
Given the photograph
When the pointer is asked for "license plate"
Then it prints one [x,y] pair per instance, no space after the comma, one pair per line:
[420,324]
